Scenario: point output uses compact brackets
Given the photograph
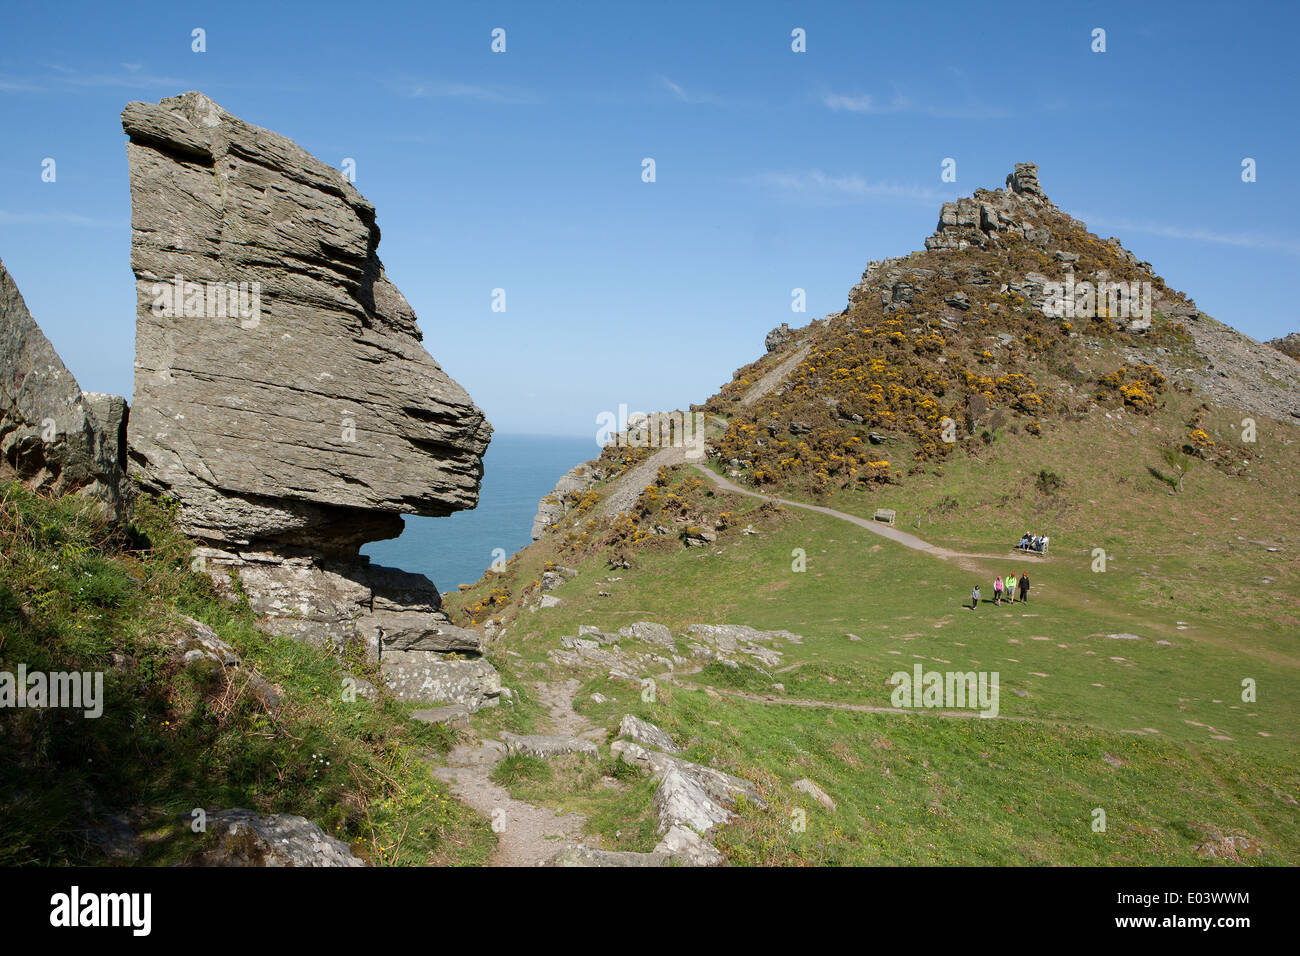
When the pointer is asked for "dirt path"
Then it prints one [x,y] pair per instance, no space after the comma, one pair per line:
[875,527]
[527,835]
[774,377]
[628,488]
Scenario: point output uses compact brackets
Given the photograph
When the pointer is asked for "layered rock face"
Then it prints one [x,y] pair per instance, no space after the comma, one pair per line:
[59,439]
[282,395]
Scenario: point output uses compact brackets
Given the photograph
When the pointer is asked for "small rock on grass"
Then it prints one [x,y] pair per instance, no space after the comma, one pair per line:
[817,793]
[547,745]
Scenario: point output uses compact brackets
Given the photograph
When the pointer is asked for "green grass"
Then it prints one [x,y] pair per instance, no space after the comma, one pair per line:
[919,788]
[517,768]
[77,595]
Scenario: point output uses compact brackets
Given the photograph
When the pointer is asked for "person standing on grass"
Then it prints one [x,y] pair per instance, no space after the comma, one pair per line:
[1024,586]
[1011,588]
[997,591]
[975,598]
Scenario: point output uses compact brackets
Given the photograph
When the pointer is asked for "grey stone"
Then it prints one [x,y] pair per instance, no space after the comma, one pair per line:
[317,420]
[683,801]
[722,787]
[778,338]
[282,395]
[451,714]
[688,848]
[245,838]
[644,732]
[590,856]
[548,745]
[817,793]
[416,675]
[649,632]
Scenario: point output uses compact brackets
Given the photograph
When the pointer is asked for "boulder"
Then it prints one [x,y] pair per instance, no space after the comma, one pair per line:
[418,675]
[722,787]
[644,732]
[683,801]
[688,848]
[245,838]
[282,394]
[548,745]
[590,856]
[281,390]
[817,793]
[649,632]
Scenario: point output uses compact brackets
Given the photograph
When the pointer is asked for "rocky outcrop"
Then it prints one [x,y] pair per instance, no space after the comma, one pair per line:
[555,505]
[1287,345]
[282,395]
[644,732]
[779,337]
[245,838]
[993,215]
[57,438]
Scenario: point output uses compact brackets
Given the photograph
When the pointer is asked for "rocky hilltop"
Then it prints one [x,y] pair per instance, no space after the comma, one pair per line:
[57,438]
[1014,315]
[282,395]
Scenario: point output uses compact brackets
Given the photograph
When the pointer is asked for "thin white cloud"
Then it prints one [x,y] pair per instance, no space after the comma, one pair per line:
[816,184]
[860,103]
[58,218]
[686,96]
[901,104]
[468,91]
[64,79]
[1241,240]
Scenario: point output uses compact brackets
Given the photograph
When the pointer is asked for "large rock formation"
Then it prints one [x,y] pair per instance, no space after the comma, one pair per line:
[281,392]
[57,438]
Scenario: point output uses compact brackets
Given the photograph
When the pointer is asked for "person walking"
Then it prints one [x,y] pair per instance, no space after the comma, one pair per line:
[975,597]
[1024,587]
[997,591]
[1011,588]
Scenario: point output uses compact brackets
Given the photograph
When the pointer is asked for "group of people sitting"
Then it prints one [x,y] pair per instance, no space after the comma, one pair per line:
[1032,542]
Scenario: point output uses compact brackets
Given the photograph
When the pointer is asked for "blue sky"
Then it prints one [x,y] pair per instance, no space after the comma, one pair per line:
[775,170]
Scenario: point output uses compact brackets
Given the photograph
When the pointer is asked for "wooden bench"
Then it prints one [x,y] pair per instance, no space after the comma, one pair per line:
[885,514]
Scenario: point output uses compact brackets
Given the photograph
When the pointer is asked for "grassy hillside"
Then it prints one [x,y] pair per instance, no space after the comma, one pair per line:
[77,595]
[1172,587]
[1154,733]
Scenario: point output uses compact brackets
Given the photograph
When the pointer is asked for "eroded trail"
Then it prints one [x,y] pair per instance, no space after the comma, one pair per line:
[875,527]
[527,835]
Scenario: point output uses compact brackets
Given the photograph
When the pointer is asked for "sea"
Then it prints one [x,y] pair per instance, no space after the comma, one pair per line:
[517,471]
